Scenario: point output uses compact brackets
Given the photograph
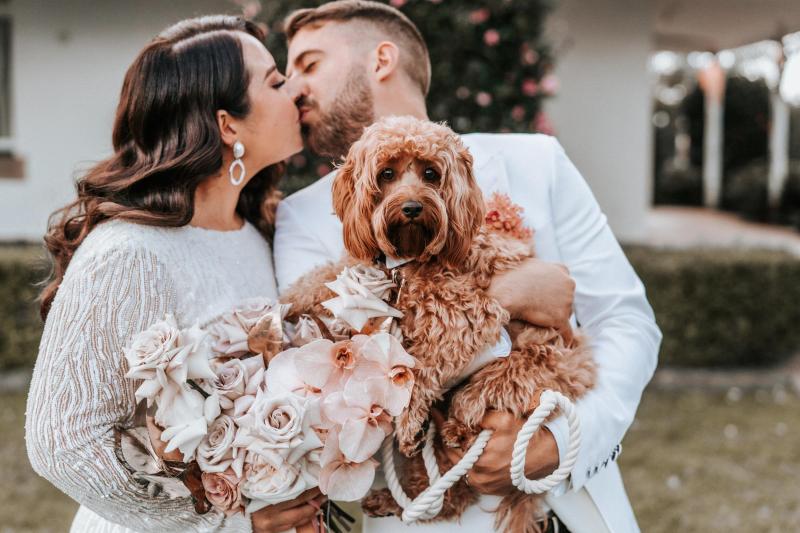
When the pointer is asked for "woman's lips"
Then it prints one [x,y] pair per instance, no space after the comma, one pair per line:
[304,111]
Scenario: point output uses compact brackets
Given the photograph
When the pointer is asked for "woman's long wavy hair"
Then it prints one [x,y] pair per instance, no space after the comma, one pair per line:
[166,140]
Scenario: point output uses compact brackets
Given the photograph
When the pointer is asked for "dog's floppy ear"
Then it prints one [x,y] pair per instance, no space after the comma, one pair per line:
[466,209]
[353,203]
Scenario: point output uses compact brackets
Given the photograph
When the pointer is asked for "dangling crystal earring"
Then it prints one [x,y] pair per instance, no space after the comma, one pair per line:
[238,152]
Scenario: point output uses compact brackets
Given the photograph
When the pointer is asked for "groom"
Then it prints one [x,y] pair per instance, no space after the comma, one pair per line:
[352,62]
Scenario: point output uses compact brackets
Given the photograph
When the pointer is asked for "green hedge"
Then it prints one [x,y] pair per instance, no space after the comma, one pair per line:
[21,267]
[716,308]
[723,307]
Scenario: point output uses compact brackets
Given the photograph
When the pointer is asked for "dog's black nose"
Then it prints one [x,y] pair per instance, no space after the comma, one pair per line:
[412,209]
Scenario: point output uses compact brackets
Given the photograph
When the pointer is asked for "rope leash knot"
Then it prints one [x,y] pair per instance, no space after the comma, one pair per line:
[429,503]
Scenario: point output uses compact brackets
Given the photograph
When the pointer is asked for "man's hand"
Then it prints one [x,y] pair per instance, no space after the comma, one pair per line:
[491,474]
[297,513]
[537,292]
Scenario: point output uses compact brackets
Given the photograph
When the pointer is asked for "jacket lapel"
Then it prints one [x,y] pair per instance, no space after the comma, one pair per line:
[489,168]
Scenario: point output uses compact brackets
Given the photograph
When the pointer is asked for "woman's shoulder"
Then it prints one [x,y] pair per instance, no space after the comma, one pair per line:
[167,245]
[123,239]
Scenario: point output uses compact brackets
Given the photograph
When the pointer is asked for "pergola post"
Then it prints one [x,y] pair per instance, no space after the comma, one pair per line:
[778,149]
[712,81]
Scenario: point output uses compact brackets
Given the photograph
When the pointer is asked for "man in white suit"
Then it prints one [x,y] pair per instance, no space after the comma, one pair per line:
[352,62]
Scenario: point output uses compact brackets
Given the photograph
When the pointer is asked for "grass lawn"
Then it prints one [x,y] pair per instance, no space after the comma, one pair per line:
[692,462]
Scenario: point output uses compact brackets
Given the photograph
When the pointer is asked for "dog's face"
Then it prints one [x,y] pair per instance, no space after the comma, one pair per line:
[406,190]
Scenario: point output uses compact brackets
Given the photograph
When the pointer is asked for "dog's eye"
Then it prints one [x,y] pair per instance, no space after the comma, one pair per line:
[387,174]
[430,174]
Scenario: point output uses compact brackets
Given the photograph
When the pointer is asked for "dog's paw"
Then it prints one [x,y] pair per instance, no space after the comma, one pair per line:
[456,434]
[380,503]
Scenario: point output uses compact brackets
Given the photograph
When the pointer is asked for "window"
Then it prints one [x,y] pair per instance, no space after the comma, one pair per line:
[5,78]
[10,165]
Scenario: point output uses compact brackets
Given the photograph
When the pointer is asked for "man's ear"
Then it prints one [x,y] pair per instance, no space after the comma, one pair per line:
[387,59]
[227,128]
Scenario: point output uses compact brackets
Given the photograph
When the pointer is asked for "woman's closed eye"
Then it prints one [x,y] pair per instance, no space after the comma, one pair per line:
[279,84]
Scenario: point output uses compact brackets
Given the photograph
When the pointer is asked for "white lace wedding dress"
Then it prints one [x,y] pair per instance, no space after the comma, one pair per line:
[124,277]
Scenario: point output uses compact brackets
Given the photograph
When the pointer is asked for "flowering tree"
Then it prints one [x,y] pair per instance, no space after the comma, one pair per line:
[491,66]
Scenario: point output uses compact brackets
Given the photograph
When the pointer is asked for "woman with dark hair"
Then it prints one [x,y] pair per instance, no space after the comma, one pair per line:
[178,220]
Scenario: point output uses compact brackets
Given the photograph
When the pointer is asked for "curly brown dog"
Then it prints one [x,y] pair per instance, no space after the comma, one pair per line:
[406,190]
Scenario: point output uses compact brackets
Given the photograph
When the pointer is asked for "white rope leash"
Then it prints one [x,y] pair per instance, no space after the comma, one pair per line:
[548,402]
[429,503]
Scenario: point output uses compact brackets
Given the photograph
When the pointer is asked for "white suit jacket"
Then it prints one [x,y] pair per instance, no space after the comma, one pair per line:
[610,302]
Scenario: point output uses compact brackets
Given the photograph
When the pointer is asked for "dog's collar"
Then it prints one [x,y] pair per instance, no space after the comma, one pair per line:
[391,263]
[394,262]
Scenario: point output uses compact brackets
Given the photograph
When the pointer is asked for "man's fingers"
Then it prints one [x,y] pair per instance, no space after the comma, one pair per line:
[565,329]
[303,498]
[297,515]
[159,445]
[454,455]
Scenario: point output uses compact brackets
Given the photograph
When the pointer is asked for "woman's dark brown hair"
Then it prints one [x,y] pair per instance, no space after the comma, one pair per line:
[166,140]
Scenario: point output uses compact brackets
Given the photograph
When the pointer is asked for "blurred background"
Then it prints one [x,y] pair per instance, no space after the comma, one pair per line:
[683,116]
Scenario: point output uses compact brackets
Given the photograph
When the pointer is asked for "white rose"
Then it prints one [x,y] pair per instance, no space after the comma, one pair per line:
[281,423]
[163,354]
[238,377]
[306,330]
[152,348]
[357,303]
[216,452]
[270,479]
[371,278]
[185,414]
[230,331]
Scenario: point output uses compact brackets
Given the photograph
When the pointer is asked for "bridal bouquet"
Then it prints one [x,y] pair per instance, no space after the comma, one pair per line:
[254,410]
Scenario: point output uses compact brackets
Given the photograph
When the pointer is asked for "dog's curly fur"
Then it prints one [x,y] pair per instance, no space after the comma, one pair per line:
[448,315]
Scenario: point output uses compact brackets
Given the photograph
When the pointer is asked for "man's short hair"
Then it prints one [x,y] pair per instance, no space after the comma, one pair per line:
[390,21]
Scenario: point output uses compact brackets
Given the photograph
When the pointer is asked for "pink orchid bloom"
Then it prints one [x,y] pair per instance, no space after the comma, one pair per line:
[340,479]
[383,372]
[363,423]
[282,376]
[326,365]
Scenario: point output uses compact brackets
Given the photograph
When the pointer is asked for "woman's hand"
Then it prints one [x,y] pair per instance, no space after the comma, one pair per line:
[538,293]
[297,513]
[492,472]
[159,445]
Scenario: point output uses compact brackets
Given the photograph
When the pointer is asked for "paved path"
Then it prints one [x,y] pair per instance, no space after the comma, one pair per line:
[689,227]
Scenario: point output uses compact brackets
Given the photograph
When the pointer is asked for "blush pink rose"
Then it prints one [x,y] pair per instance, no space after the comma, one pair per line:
[222,491]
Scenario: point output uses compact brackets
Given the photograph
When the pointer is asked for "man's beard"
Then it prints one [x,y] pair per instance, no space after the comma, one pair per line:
[351,111]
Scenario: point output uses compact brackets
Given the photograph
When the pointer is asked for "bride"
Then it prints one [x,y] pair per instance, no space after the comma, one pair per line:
[178,220]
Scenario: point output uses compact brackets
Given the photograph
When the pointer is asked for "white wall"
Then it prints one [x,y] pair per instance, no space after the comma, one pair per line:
[69,59]
[602,111]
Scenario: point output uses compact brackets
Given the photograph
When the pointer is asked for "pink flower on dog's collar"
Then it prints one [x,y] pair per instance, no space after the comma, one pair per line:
[504,216]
